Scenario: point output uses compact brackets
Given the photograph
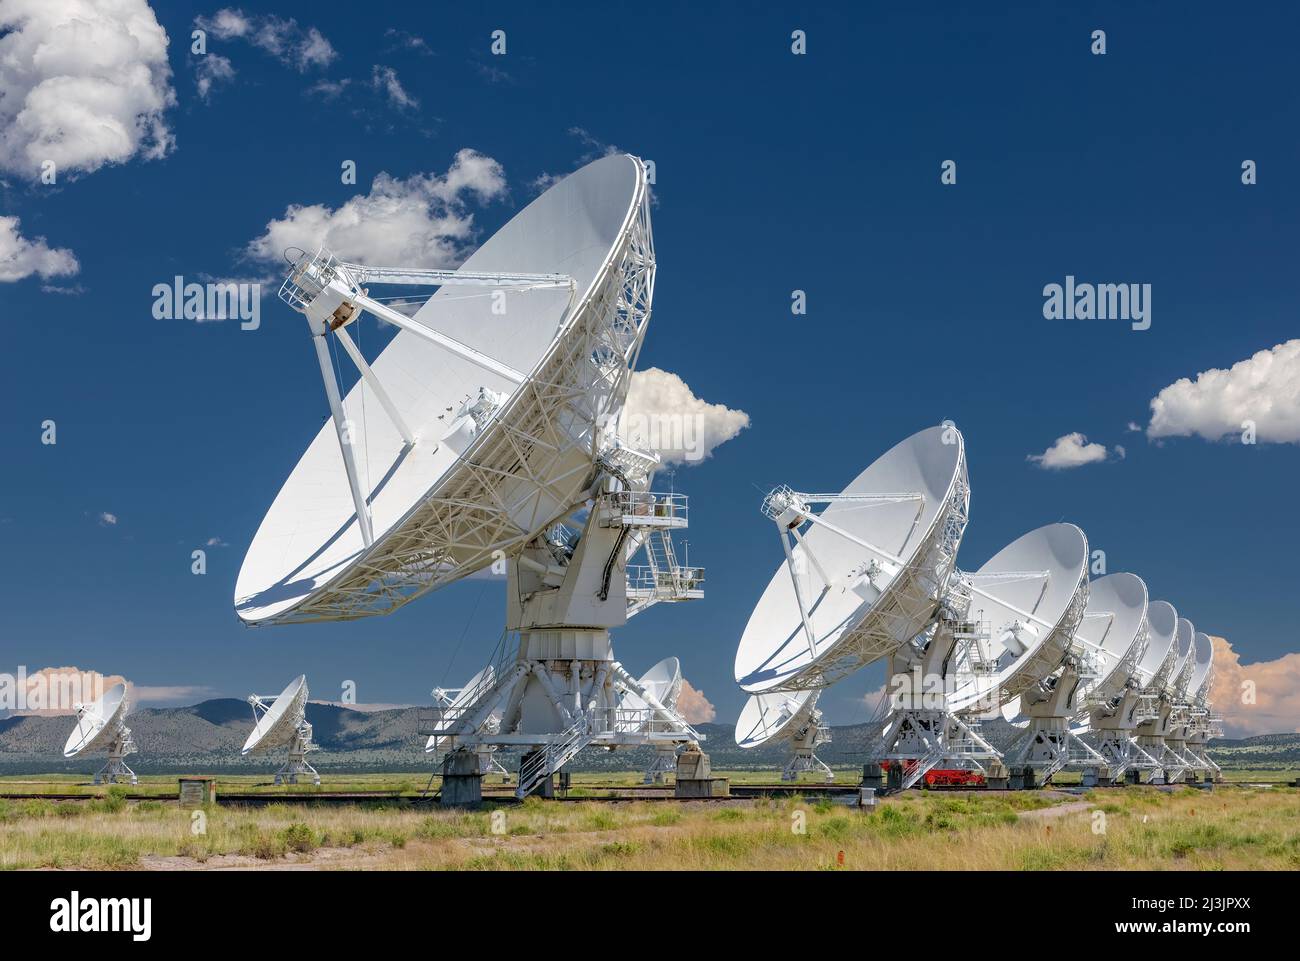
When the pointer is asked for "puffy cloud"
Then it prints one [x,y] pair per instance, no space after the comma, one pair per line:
[1264,389]
[663,415]
[210,69]
[283,39]
[1275,686]
[107,519]
[385,79]
[420,221]
[693,706]
[1072,450]
[83,83]
[21,258]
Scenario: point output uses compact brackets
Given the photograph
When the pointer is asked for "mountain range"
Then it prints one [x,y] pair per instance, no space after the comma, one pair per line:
[207,737]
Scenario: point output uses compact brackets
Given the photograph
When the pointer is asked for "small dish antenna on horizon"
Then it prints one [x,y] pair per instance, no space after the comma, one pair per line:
[101,726]
[792,718]
[281,722]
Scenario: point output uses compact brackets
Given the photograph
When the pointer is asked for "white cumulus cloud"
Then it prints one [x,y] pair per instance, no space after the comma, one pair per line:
[385,79]
[693,706]
[210,69]
[663,415]
[1263,389]
[21,258]
[420,221]
[83,83]
[284,39]
[1072,450]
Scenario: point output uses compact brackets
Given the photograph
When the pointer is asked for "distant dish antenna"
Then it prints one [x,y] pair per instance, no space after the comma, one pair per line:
[1194,654]
[449,705]
[1166,686]
[791,718]
[1002,630]
[1115,648]
[483,434]
[281,722]
[1200,722]
[1105,649]
[101,726]
[664,683]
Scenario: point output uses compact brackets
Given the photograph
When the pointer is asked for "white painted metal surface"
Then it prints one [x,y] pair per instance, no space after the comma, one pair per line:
[869,572]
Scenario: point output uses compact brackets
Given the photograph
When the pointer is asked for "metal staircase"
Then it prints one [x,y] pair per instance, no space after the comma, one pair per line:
[539,766]
[650,519]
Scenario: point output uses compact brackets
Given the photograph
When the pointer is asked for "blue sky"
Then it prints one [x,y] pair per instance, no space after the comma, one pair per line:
[774,172]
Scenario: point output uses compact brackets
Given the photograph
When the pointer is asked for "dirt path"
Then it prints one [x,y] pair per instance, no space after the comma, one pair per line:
[1059,810]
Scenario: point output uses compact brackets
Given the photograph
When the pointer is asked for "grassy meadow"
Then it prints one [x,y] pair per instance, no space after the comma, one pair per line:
[1182,828]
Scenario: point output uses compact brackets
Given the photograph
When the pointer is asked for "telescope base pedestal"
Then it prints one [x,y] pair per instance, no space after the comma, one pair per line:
[115,772]
[694,777]
[462,780]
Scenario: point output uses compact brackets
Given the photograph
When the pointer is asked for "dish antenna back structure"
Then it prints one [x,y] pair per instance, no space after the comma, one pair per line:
[101,726]
[281,722]
[484,433]
[791,718]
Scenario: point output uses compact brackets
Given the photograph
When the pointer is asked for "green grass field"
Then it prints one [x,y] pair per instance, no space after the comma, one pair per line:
[1231,827]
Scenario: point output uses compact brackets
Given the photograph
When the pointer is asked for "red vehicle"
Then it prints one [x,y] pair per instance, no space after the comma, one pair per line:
[946,778]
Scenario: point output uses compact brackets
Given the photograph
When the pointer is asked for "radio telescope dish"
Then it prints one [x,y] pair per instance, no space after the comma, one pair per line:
[1157,661]
[1203,665]
[450,706]
[868,575]
[663,683]
[1176,687]
[789,717]
[446,450]
[1030,598]
[1113,632]
[101,726]
[282,723]
[483,433]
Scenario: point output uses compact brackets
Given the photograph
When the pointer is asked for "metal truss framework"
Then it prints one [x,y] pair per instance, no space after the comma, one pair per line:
[116,771]
[536,463]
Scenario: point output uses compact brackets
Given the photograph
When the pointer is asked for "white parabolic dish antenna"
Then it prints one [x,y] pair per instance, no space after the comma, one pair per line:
[1184,660]
[462,440]
[766,717]
[868,575]
[1114,631]
[279,725]
[1162,650]
[467,695]
[663,682]
[98,724]
[1204,660]
[1031,596]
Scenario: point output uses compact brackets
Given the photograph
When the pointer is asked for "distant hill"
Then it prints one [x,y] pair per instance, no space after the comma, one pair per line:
[206,737]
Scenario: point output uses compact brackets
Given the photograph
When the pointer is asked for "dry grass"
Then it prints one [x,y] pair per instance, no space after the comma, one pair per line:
[1144,828]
